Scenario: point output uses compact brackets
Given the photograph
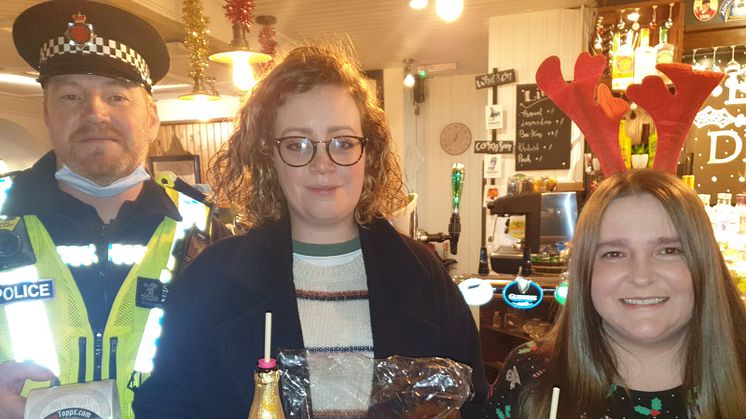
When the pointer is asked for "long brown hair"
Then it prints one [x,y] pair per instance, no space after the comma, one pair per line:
[581,361]
[243,170]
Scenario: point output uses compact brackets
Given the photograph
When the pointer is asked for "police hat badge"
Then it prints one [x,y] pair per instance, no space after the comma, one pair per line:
[79,32]
[57,37]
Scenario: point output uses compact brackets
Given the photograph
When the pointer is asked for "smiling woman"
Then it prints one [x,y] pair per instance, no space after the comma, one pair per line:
[642,287]
[649,295]
[312,166]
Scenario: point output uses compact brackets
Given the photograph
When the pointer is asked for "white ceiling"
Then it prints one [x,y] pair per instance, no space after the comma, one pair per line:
[384,32]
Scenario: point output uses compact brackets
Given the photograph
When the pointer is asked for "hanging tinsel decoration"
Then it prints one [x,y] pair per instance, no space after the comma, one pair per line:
[267,34]
[239,12]
[195,40]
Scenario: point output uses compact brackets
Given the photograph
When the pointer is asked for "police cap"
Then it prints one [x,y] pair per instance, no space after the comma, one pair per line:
[86,37]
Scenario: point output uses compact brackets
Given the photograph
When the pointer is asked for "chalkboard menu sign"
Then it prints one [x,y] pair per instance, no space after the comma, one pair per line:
[542,133]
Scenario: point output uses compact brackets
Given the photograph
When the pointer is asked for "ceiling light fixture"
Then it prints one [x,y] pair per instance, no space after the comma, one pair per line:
[408,75]
[10,78]
[241,56]
[203,90]
[449,10]
[418,4]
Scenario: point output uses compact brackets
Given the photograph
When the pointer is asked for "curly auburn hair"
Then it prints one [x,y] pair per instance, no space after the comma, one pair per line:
[243,170]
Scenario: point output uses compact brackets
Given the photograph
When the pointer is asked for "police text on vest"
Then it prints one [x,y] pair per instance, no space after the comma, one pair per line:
[27,291]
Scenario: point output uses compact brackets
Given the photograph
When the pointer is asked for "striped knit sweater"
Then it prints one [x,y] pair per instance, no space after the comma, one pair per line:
[332,294]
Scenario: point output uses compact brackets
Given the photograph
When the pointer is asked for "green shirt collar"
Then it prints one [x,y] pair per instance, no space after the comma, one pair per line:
[335,249]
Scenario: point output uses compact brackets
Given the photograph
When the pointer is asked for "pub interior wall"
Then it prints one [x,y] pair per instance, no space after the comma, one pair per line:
[519,41]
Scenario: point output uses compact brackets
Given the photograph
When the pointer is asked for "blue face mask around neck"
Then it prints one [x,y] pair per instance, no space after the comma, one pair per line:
[90,187]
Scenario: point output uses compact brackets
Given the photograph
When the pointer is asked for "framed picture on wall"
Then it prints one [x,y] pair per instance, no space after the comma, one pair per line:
[186,167]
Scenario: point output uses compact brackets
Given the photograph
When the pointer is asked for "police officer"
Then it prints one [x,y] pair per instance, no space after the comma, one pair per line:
[89,242]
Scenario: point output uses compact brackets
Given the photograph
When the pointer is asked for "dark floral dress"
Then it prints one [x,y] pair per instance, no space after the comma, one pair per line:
[525,364]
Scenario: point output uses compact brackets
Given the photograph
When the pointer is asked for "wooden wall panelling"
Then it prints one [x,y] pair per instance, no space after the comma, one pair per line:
[195,137]
[522,42]
[714,38]
[451,99]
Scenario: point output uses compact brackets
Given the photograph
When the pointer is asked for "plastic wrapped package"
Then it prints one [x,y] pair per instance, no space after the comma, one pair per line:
[358,386]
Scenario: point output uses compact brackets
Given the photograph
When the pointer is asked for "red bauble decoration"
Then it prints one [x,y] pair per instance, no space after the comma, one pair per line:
[239,12]
[266,38]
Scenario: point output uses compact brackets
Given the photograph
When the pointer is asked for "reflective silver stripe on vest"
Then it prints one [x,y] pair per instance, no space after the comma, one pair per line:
[78,255]
[126,254]
[119,254]
[193,213]
[5,184]
[30,333]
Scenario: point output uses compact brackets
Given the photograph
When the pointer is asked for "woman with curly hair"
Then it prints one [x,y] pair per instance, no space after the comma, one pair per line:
[310,166]
[653,326]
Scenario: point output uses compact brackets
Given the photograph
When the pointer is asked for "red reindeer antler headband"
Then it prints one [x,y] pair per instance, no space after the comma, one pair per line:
[598,118]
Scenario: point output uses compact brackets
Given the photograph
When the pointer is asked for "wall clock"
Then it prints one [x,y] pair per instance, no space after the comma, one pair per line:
[455,138]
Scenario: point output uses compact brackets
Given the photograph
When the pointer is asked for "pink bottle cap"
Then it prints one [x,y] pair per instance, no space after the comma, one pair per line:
[267,365]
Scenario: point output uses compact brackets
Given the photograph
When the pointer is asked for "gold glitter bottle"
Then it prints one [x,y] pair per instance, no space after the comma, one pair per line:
[266,403]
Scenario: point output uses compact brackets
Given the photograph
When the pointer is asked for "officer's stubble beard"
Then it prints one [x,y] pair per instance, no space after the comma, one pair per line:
[100,165]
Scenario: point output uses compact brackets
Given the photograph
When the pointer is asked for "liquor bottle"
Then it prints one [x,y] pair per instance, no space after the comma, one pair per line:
[652,146]
[645,57]
[740,217]
[625,143]
[266,403]
[622,70]
[726,220]
[741,211]
[705,198]
[664,51]
[653,25]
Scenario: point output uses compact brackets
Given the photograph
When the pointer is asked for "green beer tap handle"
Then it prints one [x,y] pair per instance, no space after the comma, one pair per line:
[457,186]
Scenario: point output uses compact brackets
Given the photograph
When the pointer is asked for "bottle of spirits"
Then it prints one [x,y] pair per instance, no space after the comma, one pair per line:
[726,220]
[266,403]
[740,217]
[741,211]
[652,146]
[645,57]
[623,65]
[664,51]
[625,143]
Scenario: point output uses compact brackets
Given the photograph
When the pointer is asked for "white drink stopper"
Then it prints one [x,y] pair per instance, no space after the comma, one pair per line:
[267,335]
[555,403]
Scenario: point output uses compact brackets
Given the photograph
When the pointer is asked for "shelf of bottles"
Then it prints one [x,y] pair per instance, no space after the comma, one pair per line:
[635,37]
[729,224]
[638,140]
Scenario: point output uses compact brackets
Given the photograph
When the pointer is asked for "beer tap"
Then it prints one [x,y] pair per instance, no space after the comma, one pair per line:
[454,227]
[457,186]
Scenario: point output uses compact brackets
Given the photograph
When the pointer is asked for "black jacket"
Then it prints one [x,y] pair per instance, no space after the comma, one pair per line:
[71,222]
[214,322]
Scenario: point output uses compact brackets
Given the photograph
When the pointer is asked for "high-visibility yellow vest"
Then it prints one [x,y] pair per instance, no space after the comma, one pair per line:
[44,318]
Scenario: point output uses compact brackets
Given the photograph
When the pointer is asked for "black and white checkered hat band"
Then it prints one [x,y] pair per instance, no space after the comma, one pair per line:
[99,46]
